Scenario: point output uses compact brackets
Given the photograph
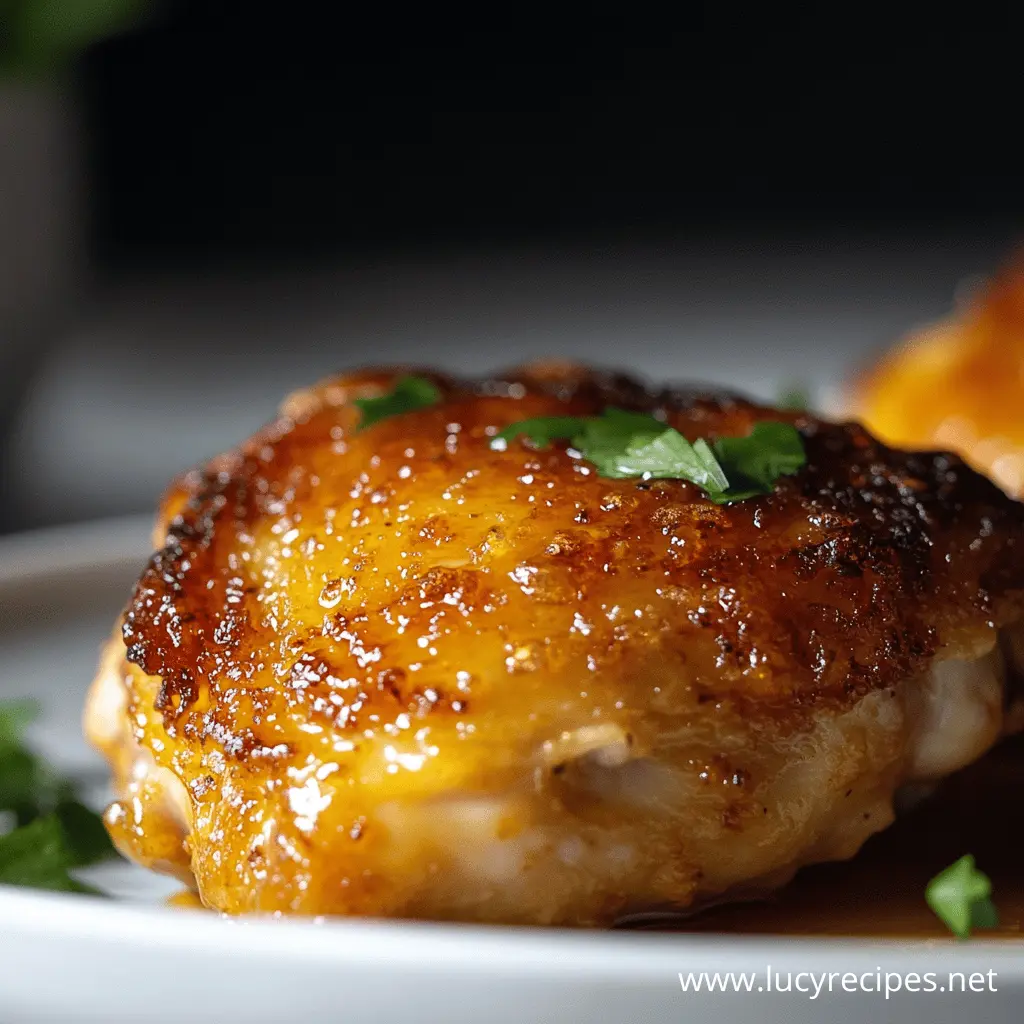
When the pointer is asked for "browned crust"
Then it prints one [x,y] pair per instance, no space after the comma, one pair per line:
[848,578]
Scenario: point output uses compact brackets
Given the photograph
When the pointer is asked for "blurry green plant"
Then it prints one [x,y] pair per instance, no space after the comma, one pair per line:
[41,38]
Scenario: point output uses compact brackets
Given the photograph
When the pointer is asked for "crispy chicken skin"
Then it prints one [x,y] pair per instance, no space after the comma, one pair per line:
[396,672]
[957,384]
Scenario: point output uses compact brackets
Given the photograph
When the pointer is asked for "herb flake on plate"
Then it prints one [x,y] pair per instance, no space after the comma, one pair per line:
[961,897]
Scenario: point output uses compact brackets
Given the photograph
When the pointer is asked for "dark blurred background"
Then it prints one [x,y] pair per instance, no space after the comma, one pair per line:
[249,135]
[256,194]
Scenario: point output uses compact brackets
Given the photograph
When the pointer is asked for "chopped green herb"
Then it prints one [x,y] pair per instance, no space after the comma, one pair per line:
[542,430]
[960,896]
[625,444]
[607,440]
[53,832]
[796,397]
[26,787]
[22,782]
[667,456]
[15,717]
[85,835]
[408,394]
[753,463]
[39,855]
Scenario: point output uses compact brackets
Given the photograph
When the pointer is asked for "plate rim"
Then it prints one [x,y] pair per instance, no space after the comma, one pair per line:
[92,544]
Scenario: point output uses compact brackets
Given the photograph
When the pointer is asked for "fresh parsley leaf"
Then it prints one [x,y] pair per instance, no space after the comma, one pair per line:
[25,785]
[408,394]
[796,398]
[15,717]
[984,914]
[624,444]
[541,430]
[618,423]
[612,430]
[53,830]
[605,440]
[22,783]
[85,836]
[755,462]
[38,855]
[961,897]
[670,456]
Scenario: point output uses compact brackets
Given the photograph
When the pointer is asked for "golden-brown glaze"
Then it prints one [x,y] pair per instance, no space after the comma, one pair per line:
[958,384]
[397,672]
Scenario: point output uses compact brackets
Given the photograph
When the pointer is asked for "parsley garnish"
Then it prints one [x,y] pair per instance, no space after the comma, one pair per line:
[53,832]
[960,896]
[627,444]
[753,463]
[408,394]
[797,397]
[39,856]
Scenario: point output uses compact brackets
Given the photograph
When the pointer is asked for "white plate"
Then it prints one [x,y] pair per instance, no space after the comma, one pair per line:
[76,958]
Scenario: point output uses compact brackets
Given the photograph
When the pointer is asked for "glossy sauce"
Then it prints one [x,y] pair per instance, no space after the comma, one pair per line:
[881,891]
[187,899]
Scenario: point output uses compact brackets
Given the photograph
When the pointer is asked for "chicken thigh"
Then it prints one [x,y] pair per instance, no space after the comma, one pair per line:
[405,671]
